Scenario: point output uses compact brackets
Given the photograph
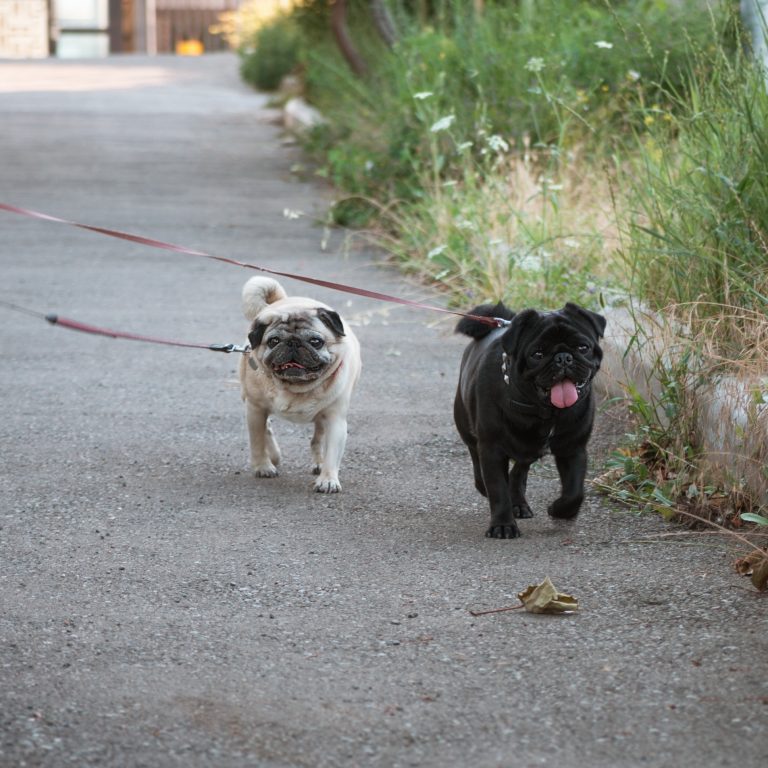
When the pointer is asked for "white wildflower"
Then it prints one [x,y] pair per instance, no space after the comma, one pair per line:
[531,262]
[436,251]
[421,95]
[603,44]
[466,224]
[535,64]
[633,75]
[464,145]
[497,144]
[443,123]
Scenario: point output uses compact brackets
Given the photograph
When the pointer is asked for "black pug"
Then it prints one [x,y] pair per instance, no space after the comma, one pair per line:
[525,389]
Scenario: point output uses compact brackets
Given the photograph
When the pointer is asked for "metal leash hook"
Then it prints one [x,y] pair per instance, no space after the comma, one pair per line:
[243,348]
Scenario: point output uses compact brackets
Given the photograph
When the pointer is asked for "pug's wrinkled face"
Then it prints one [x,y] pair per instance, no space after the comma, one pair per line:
[298,348]
[557,353]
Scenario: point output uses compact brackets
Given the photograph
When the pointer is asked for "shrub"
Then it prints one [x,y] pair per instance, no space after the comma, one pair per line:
[272,54]
[576,74]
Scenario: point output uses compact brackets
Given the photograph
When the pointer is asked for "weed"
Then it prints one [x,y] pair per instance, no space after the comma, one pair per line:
[526,229]
[702,193]
[577,75]
[698,447]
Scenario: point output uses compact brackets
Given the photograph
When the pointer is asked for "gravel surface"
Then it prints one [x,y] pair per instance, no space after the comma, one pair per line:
[161,607]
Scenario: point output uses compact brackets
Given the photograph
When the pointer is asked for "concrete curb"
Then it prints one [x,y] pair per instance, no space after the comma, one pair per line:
[299,117]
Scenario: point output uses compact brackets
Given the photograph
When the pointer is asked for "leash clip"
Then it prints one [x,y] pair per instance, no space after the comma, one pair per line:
[243,348]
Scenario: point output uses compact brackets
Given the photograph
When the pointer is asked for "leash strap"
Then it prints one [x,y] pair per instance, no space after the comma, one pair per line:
[496,322]
[75,325]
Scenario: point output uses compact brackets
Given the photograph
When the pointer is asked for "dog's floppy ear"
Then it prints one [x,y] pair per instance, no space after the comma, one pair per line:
[510,341]
[332,321]
[597,322]
[256,334]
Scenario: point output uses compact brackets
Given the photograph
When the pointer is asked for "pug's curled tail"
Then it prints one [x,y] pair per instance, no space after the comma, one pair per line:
[477,329]
[258,292]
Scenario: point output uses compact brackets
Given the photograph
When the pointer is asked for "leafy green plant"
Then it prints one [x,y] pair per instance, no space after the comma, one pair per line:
[567,75]
[702,192]
[662,467]
[272,53]
[753,517]
[658,467]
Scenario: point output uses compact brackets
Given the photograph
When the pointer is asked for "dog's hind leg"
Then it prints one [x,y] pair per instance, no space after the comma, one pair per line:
[479,482]
[331,444]
[518,483]
[265,452]
[462,425]
[273,449]
[572,470]
[316,446]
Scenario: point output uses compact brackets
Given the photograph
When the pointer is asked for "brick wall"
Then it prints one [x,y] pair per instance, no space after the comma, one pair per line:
[23,29]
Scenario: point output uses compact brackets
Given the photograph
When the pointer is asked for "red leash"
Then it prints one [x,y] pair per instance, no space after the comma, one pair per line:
[76,325]
[497,322]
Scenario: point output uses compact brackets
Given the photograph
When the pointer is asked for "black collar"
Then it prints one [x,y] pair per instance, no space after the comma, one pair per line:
[542,411]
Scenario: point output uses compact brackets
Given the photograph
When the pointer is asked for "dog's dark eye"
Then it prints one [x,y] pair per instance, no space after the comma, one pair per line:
[317,342]
[273,342]
[538,354]
[583,348]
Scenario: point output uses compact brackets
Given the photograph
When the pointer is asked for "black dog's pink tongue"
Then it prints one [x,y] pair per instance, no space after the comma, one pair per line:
[564,394]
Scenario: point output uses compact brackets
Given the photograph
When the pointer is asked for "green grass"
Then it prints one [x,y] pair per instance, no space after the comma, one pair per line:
[556,74]
[700,233]
[431,146]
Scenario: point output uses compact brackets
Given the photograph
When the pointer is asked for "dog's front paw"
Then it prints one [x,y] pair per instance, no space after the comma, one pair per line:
[265,470]
[327,485]
[522,511]
[565,508]
[508,531]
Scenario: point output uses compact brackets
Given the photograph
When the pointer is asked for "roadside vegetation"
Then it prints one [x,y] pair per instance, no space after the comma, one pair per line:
[609,152]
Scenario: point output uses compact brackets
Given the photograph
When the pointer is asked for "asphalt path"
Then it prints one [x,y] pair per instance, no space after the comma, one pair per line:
[162,607]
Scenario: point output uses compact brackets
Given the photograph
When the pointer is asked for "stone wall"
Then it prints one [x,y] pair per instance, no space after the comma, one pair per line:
[23,29]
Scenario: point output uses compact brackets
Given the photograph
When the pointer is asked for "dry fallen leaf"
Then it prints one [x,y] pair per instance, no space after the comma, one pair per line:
[539,598]
[544,598]
[755,565]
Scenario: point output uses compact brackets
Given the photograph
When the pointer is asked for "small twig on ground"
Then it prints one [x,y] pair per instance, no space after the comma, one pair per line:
[722,528]
[497,610]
